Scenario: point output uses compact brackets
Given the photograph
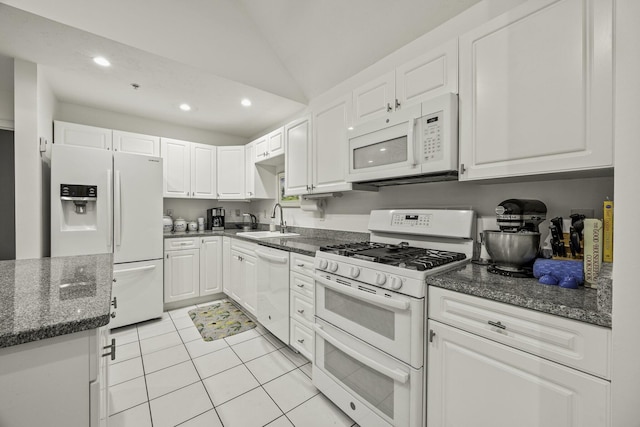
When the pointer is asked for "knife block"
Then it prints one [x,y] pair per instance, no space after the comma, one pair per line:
[565,239]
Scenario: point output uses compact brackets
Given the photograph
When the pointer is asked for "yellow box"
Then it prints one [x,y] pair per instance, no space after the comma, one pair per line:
[607,234]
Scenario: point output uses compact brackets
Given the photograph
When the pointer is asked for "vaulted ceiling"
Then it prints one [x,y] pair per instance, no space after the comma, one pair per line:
[210,53]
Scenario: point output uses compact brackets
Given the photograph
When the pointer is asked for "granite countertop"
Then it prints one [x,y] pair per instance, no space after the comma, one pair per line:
[309,241]
[47,297]
[579,304]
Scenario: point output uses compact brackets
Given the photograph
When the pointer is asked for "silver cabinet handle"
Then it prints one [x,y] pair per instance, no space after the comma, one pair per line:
[397,104]
[300,311]
[113,315]
[300,341]
[300,265]
[112,353]
[114,303]
[299,285]
[497,324]
[389,108]
[462,169]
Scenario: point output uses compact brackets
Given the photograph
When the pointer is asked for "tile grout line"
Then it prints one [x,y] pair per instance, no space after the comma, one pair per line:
[146,387]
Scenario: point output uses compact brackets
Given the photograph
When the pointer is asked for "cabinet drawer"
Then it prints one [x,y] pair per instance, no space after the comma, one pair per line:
[302,339]
[302,284]
[179,244]
[302,263]
[566,341]
[302,309]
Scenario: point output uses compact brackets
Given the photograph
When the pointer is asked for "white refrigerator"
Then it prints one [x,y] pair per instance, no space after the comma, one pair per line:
[110,202]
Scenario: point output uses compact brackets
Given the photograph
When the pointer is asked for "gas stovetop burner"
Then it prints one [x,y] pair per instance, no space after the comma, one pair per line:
[401,255]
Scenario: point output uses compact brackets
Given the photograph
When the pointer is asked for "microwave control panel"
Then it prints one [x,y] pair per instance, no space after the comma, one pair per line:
[432,137]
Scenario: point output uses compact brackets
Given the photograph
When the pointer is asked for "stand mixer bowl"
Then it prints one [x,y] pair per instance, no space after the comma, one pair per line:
[511,250]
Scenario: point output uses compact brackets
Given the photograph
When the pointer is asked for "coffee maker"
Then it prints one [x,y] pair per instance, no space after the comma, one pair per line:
[215,219]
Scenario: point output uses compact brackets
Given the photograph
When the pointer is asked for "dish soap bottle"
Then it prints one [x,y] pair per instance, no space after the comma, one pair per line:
[272,225]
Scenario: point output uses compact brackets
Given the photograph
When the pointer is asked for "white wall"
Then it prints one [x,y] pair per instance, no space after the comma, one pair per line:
[626,287]
[29,220]
[112,120]
[6,92]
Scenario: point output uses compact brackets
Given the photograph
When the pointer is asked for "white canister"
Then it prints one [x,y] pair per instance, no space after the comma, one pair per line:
[193,226]
[167,223]
[201,224]
[180,224]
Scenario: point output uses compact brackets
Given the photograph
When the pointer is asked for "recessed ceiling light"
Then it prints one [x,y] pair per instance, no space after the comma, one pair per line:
[383,149]
[350,128]
[185,107]
[246,102]
[101,60]
[370,161]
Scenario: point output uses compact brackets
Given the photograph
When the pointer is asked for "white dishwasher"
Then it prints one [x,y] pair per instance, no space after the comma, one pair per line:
[273,291]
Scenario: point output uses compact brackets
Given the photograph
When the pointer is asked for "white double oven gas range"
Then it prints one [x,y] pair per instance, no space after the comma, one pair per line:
[370,324]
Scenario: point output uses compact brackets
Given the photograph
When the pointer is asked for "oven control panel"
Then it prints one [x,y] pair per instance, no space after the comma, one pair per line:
[411,220]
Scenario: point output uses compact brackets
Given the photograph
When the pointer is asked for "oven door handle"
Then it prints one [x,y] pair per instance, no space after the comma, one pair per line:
[398,375]
[375,299]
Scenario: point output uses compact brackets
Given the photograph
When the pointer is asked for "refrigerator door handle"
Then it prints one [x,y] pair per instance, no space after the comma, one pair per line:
[117,210]
[110,219]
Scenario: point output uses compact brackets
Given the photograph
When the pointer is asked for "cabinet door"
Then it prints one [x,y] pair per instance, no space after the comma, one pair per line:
[231,172]
[249,170]
[176,167]
[262,146]
[275,143]
[432,74]
[226,264]
[235,286]
[203,171]
[181,275]
[297,156]
[211,265]
[536,90]
[472,381]
[81,135]
[330,151]
[374,99]
[250,291]
[135,143]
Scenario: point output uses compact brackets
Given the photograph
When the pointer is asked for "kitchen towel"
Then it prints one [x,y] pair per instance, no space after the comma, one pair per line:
[567,274]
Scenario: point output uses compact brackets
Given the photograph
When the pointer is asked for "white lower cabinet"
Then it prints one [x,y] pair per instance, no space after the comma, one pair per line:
[59,381]
[194,271]
[211,265]
[136,292]
[243,285]
[226,265]
[476,380]
[302,308]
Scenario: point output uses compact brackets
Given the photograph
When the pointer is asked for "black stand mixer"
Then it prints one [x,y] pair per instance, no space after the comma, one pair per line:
[514,248]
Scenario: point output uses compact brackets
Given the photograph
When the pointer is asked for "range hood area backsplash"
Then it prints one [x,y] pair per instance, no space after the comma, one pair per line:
[351,211]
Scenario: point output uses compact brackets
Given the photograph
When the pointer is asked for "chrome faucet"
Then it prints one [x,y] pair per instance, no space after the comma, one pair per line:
[283,224]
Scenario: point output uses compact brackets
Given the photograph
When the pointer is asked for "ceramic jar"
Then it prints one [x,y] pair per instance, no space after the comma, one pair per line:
[167,223]
[193,226]
[180,224]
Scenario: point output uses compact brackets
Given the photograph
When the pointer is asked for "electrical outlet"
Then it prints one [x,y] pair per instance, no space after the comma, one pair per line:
[238,212]
[170,212]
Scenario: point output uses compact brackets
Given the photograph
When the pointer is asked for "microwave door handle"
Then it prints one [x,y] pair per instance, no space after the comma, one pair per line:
[375,299]
[413,143]
[396,374]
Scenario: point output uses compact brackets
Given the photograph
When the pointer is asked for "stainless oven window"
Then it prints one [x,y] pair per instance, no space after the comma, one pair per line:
[367,315]
[383,153]
[368,384]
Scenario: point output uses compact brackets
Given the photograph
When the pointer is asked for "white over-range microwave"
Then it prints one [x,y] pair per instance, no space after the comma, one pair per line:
[418,143]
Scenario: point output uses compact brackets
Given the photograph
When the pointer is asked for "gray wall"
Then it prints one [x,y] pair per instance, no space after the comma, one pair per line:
[7,197]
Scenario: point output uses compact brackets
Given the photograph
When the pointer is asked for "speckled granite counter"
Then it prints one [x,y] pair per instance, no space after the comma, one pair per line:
[48,297]
[307,243]
[578,304]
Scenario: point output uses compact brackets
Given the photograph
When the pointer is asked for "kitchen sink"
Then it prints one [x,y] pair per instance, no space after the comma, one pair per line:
[265,234]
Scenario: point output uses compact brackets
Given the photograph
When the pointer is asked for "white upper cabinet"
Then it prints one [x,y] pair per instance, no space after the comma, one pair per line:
[231,176]
[81,135]
[203,171]
[330,154]
[536,91]
[176,166]
[135,143]
[260,180]
[249,170]
[298,156]
[269,147]
[431,74]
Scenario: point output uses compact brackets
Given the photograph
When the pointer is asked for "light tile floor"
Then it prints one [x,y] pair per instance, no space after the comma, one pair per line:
[166,375]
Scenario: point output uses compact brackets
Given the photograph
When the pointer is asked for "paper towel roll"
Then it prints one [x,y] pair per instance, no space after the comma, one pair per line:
[312,205]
